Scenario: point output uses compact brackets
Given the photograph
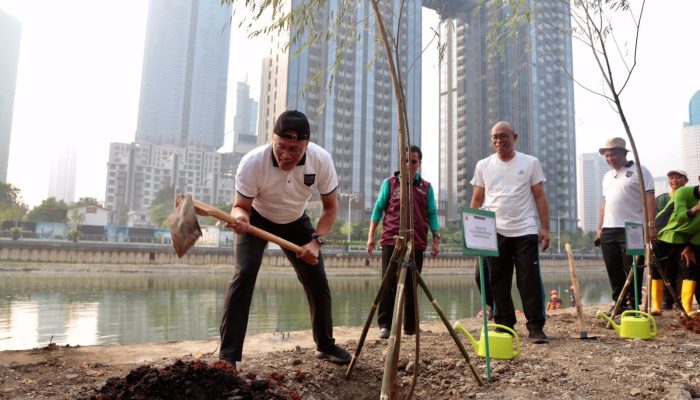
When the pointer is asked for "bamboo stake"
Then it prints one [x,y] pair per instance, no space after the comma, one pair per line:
[583,331]
[416,318]
[389,384]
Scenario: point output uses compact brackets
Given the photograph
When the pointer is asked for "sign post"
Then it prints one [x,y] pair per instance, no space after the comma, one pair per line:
[634,238]
[479,239]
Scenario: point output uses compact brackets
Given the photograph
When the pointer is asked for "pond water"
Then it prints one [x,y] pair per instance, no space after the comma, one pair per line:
[91,308]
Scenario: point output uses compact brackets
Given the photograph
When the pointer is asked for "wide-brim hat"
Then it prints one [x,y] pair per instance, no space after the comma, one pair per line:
[677,172]
[614,143]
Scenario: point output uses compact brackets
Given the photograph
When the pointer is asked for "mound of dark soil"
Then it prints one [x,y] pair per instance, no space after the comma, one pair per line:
[692,323]
[190,380]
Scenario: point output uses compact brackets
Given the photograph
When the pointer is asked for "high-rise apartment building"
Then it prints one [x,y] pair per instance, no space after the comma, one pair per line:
[185,72]
[10,32]
[526,84]
[592,168]
[356,119]
[245,122]
[63,169]
[136,172]
[690,143]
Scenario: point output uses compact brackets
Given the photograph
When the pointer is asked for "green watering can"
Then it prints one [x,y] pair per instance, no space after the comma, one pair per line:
[500,343]
[633,324]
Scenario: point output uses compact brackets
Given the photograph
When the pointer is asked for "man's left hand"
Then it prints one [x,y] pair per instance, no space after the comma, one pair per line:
[544,238]
[435,250]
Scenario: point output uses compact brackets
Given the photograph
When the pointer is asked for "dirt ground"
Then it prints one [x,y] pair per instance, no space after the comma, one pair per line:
[604,367]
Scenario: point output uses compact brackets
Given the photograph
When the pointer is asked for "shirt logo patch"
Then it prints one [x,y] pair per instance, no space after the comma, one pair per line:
[309,179]
[629,173]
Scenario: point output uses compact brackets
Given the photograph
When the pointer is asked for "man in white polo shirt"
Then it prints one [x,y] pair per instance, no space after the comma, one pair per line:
[274,183]
[622,202]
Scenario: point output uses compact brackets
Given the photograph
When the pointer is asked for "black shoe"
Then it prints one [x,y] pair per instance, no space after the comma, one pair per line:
[411,332]
[231,362]
[334,354]
[384,333]
[538,336]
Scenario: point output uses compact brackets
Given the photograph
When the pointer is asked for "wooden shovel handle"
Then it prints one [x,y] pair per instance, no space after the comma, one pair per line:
[577,293]
[211,211]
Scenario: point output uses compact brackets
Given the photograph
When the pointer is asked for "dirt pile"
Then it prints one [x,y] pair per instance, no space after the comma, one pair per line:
[692,323]
[193,380]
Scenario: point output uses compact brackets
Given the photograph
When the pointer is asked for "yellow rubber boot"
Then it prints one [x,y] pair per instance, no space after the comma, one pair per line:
[657,296]
[687,293]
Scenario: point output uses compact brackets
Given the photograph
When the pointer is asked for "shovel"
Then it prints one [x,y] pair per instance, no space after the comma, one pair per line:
[583,331]
[185,229]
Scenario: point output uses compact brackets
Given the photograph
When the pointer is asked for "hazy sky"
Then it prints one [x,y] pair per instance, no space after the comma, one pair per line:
[80,72]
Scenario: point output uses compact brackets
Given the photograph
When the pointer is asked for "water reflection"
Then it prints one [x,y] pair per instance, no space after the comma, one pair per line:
[80,308]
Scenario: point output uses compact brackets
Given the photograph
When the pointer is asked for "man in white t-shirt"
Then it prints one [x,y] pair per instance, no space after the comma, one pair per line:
[511,184]
[622,202]
[274,183]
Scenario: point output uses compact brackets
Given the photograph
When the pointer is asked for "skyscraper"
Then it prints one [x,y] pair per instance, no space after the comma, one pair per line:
[245,122]
[592,168]
[356,120]
[694,109]
[185,72]
[527,84]
[10,32]
[62,178]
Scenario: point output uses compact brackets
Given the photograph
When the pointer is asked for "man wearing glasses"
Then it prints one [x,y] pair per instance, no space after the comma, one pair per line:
[424,218]
[274,183]
[511,184]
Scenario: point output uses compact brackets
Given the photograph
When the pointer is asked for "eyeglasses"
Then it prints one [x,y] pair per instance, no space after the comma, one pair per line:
[288,149]
[502,136]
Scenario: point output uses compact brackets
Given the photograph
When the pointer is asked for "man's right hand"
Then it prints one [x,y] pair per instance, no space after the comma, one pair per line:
[370,245]
[241,225]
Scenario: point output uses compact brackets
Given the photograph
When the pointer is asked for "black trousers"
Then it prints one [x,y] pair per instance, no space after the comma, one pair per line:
[487,291]
[618,264]
[386,304]
[520,254]
[249,253]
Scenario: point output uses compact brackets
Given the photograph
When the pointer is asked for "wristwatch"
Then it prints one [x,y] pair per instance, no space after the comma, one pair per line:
[320,239]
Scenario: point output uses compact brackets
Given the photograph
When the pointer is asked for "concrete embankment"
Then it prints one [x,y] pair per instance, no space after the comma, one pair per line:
[22,254]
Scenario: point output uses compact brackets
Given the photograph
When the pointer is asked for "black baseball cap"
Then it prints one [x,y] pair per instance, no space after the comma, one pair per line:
[292,124]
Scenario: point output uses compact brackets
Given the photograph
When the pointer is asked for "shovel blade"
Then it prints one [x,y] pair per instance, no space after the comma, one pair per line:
[184,227]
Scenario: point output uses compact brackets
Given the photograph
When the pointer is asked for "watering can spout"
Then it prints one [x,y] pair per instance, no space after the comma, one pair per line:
[615,326]
[459,328]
